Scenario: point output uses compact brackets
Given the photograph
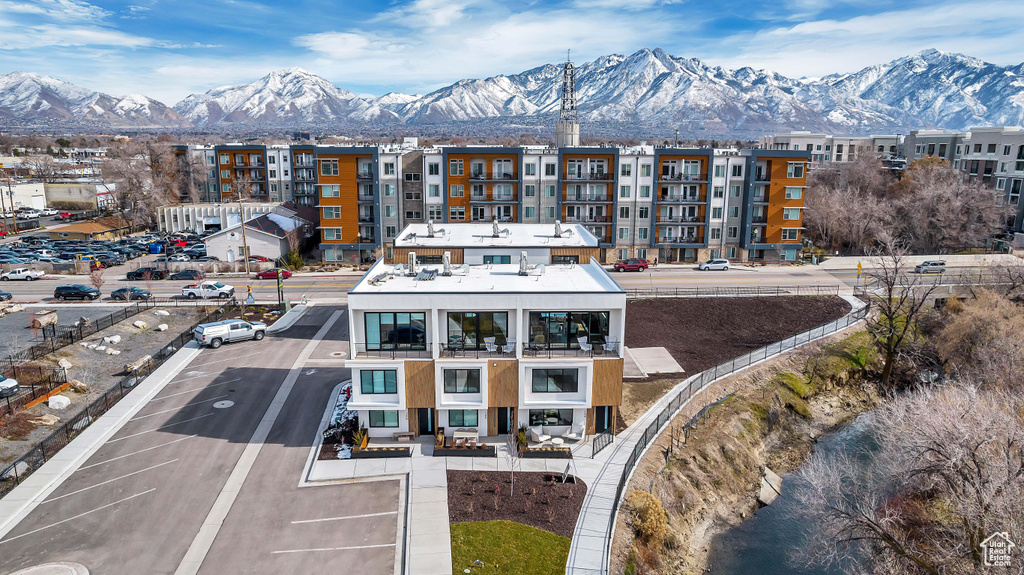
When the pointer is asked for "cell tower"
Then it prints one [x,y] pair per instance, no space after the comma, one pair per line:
[567,130]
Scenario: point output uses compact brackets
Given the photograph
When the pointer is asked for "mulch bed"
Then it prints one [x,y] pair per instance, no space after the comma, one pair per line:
[540,500]
[703,332]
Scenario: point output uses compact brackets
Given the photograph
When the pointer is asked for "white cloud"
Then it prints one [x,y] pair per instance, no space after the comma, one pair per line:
[60,10]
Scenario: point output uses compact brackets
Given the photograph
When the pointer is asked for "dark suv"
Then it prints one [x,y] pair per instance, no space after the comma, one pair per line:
[140,274]
[188,275]
[76,291]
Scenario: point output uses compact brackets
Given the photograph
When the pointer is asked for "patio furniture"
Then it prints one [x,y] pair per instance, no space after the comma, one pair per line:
[537,434]
[584,346]
[574,433]
[465,434]
[557,441]
[610,346]
[403,436]
[534,348]
[509,348]
[489,344]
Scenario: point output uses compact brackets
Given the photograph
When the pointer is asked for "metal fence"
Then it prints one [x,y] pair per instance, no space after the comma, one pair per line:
[602,440]
[706,377]
[37,381]
[18,471]
[641,293]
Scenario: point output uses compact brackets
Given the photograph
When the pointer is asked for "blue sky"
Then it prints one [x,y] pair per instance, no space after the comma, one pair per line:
[168,49]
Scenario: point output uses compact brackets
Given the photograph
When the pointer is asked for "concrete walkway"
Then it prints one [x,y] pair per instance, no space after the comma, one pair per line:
[590,551]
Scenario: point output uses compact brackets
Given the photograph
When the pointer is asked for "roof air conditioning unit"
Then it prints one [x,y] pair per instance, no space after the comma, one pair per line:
[412,263]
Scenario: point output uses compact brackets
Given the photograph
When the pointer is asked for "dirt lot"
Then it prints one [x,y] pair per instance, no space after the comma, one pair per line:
[540,500]
[97,370]
[703,332]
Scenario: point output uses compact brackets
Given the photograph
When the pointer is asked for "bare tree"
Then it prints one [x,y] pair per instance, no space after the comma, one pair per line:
[512,453]
[128,167]
[96,278]
[982,340]
[899,300]
[44,168]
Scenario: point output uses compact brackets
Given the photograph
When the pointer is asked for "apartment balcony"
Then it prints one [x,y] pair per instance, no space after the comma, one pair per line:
[492,198]
[364,175]
[676,240]
[302,163]
[682,177]
[683,198]
[364,198]
[760,199]
[759,220]
[367,240]
[588,177]
[394,350]
[491,177]
[587,198]
[762,176]
[698,220]
[589,219]
[367,219]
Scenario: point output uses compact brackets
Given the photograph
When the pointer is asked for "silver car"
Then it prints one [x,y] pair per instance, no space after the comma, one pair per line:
[220,332]
[715,264]
[931,267]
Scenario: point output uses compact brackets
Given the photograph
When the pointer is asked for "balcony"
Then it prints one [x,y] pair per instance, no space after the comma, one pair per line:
[485,177]
[302,162]
[587,198]
[688,239]
[492,197]
[364,175]
[762,176]
[759,220]
[589,219]
[676,177]
[366,219]
[364,198]
[588,177]
[393,351]
[683,198]
[609,349]
[367,240]
[760,199]
[681,219]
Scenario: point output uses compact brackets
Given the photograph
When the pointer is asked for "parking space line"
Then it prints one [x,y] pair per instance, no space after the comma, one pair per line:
[342,518]
[159,428]
[178,408]
[333,548]
[231,358]
[80,515]
[138,452]
[194,390]
[108,481]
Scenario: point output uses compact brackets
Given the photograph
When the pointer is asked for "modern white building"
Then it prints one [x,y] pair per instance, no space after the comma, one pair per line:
[487,346]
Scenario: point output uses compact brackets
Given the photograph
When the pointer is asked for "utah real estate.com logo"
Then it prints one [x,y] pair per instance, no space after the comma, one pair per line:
[997,549]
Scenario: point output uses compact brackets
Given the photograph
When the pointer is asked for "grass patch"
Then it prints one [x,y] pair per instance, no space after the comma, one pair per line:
[795,383]
[507,548]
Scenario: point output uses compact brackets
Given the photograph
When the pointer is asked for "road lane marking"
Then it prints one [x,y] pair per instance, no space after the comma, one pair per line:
[80,515]
[342,518]
[160,428]
[138,452]
[195,390]
[333,548]
[108,481]
[231,358]
[203,541]
[178,408]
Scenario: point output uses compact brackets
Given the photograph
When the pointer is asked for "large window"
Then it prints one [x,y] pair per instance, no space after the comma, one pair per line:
[561,330]
[497,259]
[383,419]
[462,381]
[550,417]
[379,381]
[565,259]
[556,380]
[396,330]
[471,328]
[462,418]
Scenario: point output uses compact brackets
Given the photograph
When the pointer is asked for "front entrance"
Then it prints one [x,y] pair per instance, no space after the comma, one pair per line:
[425,417]
[506,419]
[603,418]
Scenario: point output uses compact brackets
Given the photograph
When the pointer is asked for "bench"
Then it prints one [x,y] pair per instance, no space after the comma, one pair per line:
[403,436]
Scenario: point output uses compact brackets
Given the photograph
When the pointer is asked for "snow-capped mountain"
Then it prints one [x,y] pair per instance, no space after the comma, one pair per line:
[29,98]
[283,97]
[649,91]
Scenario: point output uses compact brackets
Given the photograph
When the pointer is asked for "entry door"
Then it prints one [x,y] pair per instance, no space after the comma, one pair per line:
[602,418]
[425,415]
[505,418]
[573,212]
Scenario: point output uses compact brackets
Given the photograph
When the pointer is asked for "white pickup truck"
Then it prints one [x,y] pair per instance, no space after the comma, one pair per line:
[208,289]
[22,274]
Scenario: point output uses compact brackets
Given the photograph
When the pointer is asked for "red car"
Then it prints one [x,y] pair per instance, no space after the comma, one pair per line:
[258,259]
[272,274]
[630,265]
[64,216]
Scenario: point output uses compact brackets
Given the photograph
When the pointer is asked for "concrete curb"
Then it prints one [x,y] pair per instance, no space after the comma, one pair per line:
[25,497]
[289,319]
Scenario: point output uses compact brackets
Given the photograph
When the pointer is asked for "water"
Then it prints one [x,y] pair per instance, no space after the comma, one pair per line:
[765,543]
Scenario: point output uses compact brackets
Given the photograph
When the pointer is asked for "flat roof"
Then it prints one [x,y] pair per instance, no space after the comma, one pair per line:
[386,279]
[481,235]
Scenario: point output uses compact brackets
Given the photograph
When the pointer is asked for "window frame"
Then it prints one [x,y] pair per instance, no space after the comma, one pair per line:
[453,385]
[387,385]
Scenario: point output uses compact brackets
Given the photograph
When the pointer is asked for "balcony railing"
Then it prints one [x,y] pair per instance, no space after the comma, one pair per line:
[366,219]
[588,198]
[682,177]
[697,199]
[588,176]
[680,240]
[367,240]
[761,176]
[760,199]
[681,219]
[394,350]
[486,176]
[609,349]
[364,175]
[303,163]
[759,220]
[365,197]
[597,219]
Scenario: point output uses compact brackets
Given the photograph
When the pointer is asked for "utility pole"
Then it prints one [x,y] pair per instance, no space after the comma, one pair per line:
[245,245]
[10,196]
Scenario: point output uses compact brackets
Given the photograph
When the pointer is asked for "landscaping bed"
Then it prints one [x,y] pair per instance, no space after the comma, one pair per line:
[546,453]
[381,452]
[703,332]
[338,437]
[539,499]
[507,548]
[478,451]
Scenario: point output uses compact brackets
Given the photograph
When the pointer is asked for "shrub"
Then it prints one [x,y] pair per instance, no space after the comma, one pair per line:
[649,520]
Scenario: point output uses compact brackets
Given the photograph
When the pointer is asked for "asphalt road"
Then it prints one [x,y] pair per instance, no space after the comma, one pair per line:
[137,505]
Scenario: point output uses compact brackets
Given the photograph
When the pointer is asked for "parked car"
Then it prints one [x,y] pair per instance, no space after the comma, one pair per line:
[715,264]
[272,274]
[206,259]
[5,296]
[188,275]
[216,333]
[630,265]
[258,259]
[64,216]
[22,274]
[208,289]
[76,291]
[48,212]
[931,267]
[130,292]
[141,274]
[8,386]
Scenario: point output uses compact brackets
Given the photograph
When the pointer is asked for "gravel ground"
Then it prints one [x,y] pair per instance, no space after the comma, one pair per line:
[101,371]
[17,331]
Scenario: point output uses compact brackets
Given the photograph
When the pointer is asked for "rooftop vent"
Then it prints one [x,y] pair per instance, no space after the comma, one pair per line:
[446,259]
[431,231]
[559,231]
[426,275]
[412,263]
[496,231]
[524,264]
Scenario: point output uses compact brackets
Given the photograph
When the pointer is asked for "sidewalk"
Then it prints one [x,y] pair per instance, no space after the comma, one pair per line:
[590,551]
